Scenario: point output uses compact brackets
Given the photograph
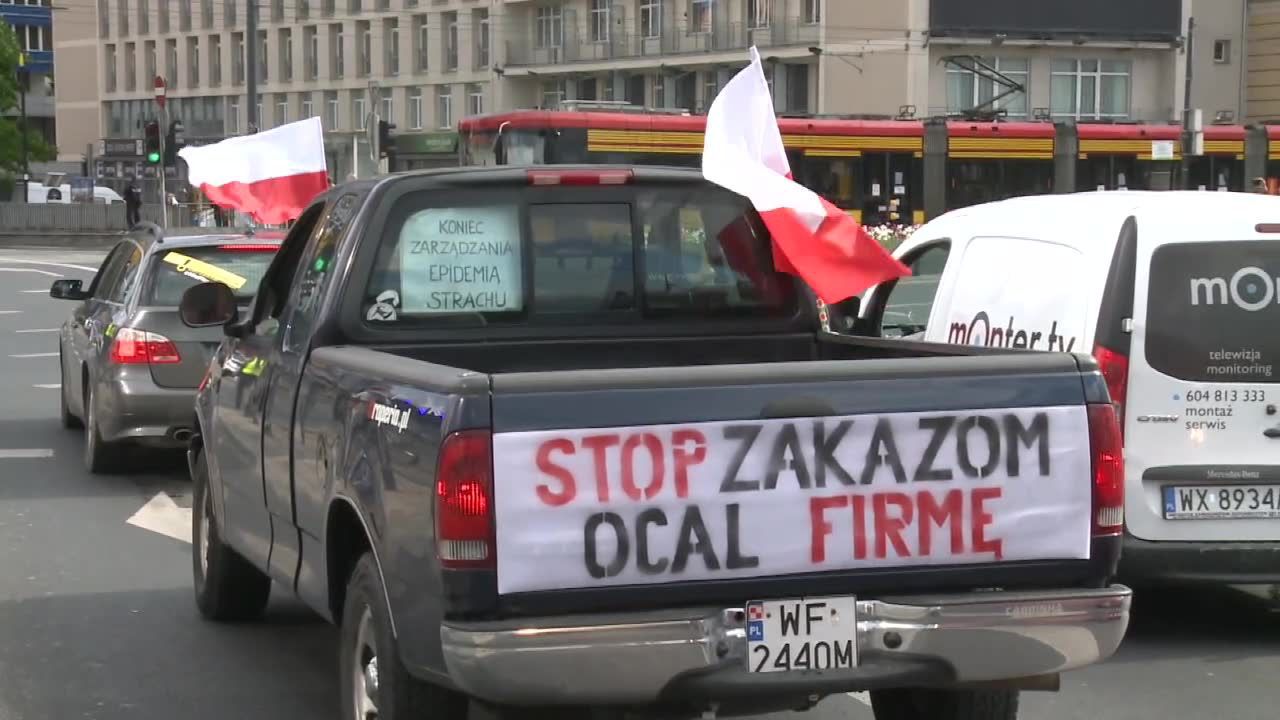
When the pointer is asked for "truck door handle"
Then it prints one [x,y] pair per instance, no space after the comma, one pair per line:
[1272,432]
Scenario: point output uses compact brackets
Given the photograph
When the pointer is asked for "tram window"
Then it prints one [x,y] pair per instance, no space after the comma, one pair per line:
[833,178]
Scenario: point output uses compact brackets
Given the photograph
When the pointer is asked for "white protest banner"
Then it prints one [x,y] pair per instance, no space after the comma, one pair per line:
[461,260]
[750,498]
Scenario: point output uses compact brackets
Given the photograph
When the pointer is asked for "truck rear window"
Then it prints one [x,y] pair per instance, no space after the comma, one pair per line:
[1213,309]
[239,267]
[643,252]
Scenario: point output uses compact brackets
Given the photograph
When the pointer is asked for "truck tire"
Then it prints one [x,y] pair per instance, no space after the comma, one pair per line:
[374,683]
[227,587]
[945,704]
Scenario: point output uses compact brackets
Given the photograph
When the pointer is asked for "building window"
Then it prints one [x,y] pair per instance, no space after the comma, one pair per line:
[237,58]
[215,60]
[758,14]
[152,64]
[359,110]
[354,6]
[710,88]
[813,11]
[1090,89]
[304,13]
[415,109]
[122,17]
[337,51]
[391,45]
[277,10]
[206,14]
[422,37]
[282,109]
[144,17]
[364,56]
[481,24]
[552,94]
[285,42]
[233,116]
[104,19]
[450,40]
[163,11]
[229,14]
[548,27]
[109,62]
[1222,51]
[311,37]
[306,108]
[700,16]
[328,7]
[600,20]
[388,109]
[967,90]
[444,107]
[475,99]
[650,18]
[331,109]
[171,61]
[263,59]
[193,62]
[184,15]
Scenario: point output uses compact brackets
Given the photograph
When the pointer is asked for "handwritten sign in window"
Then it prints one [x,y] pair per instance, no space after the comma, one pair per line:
[461,260]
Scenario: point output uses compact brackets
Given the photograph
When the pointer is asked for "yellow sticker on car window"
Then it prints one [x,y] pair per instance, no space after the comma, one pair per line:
[202,270]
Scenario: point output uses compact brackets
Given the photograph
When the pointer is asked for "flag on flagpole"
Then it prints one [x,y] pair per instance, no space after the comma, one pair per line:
[812,238]
[271,175]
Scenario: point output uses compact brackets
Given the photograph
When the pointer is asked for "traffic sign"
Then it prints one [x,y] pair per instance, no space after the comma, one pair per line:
[160,91]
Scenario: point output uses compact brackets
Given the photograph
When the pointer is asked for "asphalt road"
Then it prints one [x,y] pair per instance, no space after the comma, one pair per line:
[97,620]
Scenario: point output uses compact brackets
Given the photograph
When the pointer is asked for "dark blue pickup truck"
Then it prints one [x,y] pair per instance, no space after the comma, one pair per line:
[560,441]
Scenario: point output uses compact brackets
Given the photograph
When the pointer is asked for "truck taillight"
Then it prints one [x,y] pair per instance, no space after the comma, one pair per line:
[464,501]
[1114,367]
[1107,450]
[137,347]
[580,177]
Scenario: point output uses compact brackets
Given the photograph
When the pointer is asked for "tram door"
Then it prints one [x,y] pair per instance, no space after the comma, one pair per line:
[888,188]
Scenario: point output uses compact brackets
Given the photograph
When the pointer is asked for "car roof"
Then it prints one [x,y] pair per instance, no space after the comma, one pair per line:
[152,238]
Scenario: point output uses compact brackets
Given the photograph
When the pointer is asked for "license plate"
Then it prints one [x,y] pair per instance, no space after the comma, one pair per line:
[802,634]
[1221,502]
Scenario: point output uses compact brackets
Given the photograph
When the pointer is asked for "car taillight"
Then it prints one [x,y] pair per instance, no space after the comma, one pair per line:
[1107,450]
[1114,367]
[464,501]
[137,347]
[580,177]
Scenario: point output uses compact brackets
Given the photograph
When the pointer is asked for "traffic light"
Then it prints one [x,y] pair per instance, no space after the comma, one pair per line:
[151,142]
[172,143]
[384,138]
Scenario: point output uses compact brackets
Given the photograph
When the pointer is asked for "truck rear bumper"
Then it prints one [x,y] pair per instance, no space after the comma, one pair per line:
[700,655]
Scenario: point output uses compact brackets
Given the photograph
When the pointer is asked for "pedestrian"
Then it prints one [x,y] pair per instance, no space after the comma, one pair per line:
[132,204]
[1260,185]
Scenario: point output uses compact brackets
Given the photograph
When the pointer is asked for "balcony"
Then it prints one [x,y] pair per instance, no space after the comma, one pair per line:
[726,37]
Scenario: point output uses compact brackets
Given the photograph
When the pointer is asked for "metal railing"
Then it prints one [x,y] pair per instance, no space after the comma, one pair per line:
[95,218]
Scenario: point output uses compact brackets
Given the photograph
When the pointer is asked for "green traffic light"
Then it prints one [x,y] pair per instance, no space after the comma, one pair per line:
[153,157]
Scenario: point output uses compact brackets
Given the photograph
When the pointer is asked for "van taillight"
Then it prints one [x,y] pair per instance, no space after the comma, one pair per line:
[464,501]
[136,347]
[580,177]
[1107,450]
[1114,367]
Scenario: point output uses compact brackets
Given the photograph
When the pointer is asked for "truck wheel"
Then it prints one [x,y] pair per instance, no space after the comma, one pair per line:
[374,683]
[100,456]
[227,586]
[945,704]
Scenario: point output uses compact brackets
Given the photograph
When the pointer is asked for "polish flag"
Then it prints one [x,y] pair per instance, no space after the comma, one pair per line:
[812,238]
[272,175]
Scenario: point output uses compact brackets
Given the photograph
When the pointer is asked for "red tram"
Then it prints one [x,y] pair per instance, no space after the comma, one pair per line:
[911,169]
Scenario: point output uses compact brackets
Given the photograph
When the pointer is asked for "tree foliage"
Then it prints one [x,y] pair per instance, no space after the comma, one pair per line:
[10,125]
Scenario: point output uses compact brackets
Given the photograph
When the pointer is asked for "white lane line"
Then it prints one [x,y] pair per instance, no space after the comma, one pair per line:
[34,355]
[49,386]
[861,697]
[48,264]
[38,330]
[30,270]
[10,312]
[162,515]
[35,292]
[25,453]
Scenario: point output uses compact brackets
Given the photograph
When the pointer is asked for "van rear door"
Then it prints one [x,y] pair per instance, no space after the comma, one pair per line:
[1202,443]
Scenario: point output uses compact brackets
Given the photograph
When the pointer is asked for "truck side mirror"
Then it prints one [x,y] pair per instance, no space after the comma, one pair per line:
[68,290]
[207,304]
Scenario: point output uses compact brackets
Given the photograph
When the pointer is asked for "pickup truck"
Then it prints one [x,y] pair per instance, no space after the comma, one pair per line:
[560,441]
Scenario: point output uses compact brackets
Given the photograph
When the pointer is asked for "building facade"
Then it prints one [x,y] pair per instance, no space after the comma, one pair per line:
[32,22]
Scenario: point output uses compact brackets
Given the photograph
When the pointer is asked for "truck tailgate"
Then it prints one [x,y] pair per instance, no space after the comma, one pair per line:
[742,481]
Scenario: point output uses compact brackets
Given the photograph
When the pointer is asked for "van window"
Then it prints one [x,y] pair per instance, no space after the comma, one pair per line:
[1213,309]
[906,310]
[1017,293]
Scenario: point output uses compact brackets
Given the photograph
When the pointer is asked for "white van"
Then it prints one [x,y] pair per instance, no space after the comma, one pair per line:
[1175,296]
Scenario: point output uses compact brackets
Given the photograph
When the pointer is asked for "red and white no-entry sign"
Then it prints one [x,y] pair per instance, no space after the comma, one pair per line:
[160,91]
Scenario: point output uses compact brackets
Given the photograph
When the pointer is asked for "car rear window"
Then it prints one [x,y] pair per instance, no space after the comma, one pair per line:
[239,267]
[1213,309]
[635,252]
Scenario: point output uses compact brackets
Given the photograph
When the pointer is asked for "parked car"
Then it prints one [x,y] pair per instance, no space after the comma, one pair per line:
[129,367]
[520,479]
[1174,293]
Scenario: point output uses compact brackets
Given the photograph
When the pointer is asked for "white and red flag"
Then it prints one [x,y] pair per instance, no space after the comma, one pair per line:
[271,175]
[812,238]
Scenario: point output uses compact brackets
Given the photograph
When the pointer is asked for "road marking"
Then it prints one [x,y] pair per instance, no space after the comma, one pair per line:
[162,515]
[861,697]
[35,292]
[9,312]
[36,330]
[49,264]
[25,453]
[30,270]
[49,386]
[35,355]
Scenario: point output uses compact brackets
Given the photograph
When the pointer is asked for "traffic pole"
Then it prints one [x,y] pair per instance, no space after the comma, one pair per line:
[251,63]
[163,131]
